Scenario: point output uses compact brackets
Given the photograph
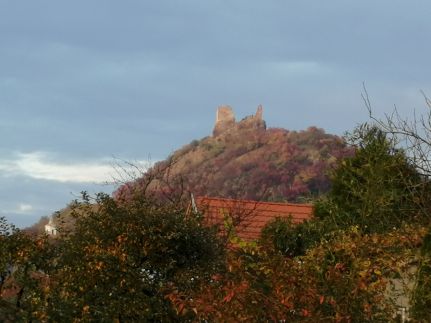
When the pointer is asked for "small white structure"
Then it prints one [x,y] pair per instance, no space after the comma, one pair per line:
[50,228]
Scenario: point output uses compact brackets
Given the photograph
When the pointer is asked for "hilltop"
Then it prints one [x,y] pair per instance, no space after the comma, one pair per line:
[364,255]
[245,159]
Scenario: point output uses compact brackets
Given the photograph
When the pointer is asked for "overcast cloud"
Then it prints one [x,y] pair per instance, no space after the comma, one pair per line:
[82,81]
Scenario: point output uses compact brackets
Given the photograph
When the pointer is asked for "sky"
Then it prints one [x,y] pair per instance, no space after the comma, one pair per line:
[85,85]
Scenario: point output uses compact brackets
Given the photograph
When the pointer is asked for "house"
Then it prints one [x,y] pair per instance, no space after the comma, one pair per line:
[248,217]
[50,228]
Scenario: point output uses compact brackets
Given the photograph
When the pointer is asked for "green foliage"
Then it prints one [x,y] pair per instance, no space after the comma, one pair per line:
[194,143]
[121,259]
[421,298]
[376,189]
[118,262]
[291,239]
[282,236]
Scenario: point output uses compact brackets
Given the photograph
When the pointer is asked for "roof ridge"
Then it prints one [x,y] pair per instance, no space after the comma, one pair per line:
[253,201]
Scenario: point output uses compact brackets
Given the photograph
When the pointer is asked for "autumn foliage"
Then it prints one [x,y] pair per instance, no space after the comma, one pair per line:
[256,164]
[145,257]
[348,279]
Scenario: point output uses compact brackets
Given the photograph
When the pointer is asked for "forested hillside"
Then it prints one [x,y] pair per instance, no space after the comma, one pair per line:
[251,162]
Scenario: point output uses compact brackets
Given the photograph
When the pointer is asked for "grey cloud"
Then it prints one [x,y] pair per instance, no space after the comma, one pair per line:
[45,197]
[90,79]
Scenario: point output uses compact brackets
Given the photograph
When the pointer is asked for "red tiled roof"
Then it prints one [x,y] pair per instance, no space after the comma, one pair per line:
[249,217]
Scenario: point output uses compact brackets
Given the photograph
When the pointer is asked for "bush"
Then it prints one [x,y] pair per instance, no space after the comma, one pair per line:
[421,298]
[283,236]
[120,260]
[377,189]
[23,260]
[346,279]
[290,239]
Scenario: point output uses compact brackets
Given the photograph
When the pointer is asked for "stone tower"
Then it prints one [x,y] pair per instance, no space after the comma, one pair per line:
[259,113]
[225,119]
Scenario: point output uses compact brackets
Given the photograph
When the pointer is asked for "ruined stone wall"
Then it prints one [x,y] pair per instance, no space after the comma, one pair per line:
[225,120]
[259,113]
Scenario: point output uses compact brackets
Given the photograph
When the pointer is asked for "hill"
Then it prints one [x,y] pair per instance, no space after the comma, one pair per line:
[246,160]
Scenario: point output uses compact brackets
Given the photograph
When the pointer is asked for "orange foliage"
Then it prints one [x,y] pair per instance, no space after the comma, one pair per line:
[344,280]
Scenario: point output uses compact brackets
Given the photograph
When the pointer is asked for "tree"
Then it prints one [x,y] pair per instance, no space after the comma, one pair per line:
[346,279]
[23,259]
[291,239]
[121,259]
[421,298]
[414,134]
[376,189]
[9,247]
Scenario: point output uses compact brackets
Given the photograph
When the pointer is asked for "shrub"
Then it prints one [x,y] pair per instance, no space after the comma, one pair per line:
[290,239]
[121,259]
[376,189]
[421,298]
[345,279]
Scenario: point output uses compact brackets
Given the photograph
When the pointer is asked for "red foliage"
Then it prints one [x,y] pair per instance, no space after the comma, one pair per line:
[273,164]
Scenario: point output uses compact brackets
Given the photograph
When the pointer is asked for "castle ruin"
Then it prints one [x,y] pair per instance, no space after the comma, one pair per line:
[225,120]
